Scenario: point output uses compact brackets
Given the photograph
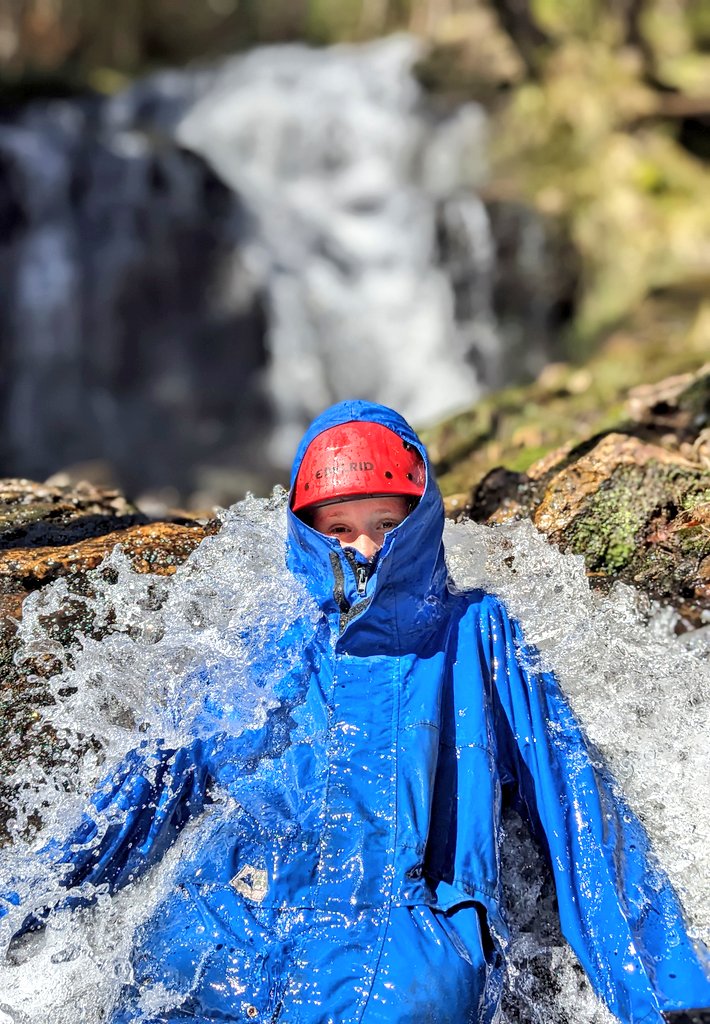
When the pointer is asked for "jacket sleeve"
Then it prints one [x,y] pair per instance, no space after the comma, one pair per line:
[134,816]
[617,908]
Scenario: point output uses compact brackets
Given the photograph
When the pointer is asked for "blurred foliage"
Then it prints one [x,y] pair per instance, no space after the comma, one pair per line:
[74,38]
[77,36]
[596,142]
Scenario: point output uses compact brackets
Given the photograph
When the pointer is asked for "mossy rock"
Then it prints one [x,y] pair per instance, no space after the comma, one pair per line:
[620,522]
[634,500]
[568,403]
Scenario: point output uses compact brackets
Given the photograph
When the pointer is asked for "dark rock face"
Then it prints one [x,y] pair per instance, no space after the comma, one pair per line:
[35,515]
[536,277]
[126,325]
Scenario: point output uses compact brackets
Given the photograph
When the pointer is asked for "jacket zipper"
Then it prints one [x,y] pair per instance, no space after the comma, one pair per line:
[362,574]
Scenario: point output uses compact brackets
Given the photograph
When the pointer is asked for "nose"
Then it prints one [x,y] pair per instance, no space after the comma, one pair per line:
[365,544]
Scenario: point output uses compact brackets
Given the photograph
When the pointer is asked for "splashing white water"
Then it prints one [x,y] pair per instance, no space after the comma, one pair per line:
[139,681]
[643,697]
[640,693]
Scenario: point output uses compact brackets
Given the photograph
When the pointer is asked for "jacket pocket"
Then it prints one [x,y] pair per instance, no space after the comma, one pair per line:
[433,968]
[476,912]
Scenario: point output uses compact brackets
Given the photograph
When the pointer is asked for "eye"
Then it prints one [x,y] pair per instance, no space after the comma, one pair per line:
[337,528]
[389,524]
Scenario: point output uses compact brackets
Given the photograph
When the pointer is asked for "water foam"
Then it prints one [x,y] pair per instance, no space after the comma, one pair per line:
[130,670]
[643,697]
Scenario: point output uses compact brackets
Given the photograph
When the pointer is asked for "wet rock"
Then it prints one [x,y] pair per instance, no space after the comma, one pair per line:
[634,501]
[615,457]
[49,531]
[679,405]
[37,515]
[498,496]
[634,510]
[155,547]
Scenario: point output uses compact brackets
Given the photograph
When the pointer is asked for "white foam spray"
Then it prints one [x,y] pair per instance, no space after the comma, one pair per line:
[640,692]
[642,695]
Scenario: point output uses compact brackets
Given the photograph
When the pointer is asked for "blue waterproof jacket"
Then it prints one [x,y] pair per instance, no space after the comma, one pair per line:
[345,867]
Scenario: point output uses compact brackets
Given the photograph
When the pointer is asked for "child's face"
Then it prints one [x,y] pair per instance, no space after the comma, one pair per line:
[362,522]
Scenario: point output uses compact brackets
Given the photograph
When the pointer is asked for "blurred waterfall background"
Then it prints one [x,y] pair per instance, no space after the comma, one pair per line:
[195,264]
[215,221]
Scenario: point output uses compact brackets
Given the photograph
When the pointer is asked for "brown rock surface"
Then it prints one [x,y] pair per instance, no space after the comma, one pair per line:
[38,515]
[154,547]
[635,500]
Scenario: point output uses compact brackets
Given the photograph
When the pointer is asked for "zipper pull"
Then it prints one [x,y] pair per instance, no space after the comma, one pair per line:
[362,575]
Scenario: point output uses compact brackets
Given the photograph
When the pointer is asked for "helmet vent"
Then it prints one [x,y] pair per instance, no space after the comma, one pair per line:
[388,474]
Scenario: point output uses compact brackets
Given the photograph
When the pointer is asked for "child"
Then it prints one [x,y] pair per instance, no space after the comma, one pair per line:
[349,871]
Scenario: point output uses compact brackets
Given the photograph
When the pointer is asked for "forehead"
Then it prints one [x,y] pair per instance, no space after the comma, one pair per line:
[395,504]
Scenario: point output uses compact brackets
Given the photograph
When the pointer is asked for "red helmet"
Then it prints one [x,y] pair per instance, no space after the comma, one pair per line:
[357,460]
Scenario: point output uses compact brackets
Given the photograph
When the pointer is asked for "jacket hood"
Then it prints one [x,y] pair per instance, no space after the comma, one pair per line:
[403,598]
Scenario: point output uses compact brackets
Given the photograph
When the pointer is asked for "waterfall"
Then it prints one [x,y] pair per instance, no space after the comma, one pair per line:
[194,267]
[332,153]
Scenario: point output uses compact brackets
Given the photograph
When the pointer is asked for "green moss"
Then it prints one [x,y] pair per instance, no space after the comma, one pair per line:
[694,498]
[612,528]
[568,404]
[694,541]
[521,461]
[607,532]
